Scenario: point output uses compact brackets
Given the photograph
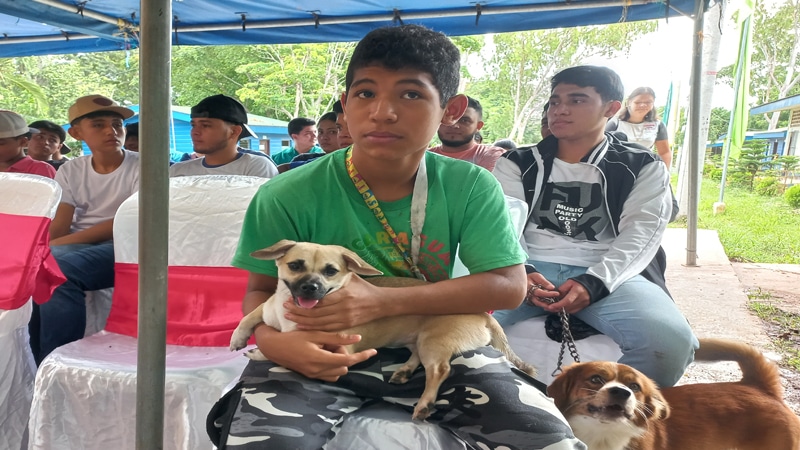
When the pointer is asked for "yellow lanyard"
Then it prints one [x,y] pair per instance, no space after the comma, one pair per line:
[418,201]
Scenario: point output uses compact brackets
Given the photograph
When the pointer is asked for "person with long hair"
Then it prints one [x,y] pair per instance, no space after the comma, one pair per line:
[641,124]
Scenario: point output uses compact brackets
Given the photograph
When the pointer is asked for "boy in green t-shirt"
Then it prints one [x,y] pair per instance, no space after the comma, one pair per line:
[401,84]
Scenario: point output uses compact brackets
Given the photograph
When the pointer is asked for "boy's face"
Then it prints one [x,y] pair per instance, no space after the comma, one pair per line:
[345,140]
[328,135]
[463,131]
[392,114]
[305,139]
[102,133]
[43,145]
[11,149]
[578,112]
[212,135]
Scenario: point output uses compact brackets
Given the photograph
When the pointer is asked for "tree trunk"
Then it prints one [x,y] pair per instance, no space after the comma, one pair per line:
[711,39]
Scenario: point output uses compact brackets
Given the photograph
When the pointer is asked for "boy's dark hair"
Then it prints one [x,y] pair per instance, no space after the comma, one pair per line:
[331,116]
[96,114]
[476,105]
[337,107]
[51,127]
[410,47]
[297,124]
[604,80]
[132,129]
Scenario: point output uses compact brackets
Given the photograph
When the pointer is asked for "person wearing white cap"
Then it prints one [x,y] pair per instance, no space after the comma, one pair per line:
[218,123]
[93,187]
[14,136]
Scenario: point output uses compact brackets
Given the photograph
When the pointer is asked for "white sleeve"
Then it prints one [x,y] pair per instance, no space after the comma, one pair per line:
[644,218]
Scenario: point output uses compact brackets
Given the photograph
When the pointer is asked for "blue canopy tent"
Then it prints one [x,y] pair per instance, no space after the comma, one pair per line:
[37,27]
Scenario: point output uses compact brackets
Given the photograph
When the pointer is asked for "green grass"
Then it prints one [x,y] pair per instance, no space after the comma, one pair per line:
[783,327]
[753,228]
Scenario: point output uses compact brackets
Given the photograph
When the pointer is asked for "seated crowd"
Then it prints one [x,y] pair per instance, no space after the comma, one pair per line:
[598,208]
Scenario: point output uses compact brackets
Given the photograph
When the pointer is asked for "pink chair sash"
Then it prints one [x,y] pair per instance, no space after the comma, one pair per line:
[204,303]
[27,269]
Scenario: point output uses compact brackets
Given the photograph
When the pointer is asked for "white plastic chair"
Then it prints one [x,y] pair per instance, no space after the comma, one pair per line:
[30,196]
[85,391]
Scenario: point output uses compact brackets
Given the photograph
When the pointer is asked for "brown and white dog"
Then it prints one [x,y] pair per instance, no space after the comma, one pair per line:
[612,406]
[307,272]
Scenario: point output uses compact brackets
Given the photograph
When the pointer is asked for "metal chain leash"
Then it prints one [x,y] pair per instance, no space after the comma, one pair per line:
[567,341]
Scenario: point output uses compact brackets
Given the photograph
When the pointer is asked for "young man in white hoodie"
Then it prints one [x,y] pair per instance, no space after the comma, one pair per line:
[598,209]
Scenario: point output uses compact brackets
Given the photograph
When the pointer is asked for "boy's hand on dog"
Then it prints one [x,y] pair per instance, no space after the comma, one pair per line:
[355,304]
[314,354]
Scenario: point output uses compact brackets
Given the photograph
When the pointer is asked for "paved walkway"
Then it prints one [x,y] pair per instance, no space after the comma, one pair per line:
[710,294]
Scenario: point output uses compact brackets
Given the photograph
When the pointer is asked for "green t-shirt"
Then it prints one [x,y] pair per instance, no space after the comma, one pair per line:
[319,203]
[288,154]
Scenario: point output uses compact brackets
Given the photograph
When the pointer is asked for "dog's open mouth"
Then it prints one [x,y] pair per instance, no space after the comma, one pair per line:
[610,411]
[305,302]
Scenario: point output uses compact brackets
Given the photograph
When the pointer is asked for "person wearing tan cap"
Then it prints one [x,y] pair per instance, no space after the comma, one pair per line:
[14,137]
[93,187]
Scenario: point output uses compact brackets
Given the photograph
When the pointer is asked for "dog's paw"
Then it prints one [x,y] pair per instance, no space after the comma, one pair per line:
[422,412]
[238,340]
[400,377]
[255,354]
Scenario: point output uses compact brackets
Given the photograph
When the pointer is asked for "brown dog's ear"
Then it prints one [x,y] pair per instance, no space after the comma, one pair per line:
[357,265]
[275,250]
[560,388]
[657,406]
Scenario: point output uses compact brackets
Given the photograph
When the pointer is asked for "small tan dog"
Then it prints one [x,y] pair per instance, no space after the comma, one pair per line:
[612,406]
[307,272]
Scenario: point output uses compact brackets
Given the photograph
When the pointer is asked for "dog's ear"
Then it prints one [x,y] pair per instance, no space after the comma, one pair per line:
[274,251]
[560,388]
[357,265]
[657,406]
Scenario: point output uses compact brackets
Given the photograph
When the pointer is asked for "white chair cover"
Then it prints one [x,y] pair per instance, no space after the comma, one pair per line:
[85,391]
[27,195]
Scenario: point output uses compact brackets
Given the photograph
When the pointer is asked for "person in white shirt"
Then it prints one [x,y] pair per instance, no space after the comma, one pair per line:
[92,188]
[218,123]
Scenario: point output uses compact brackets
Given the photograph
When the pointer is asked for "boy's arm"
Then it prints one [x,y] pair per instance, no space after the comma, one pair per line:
[644,218]
[315,354]
[62,221]
[103,231]
[360,302]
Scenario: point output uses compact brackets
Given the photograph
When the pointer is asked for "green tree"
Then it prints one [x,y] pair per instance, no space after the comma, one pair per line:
[18,92]
[718,123]
[775,66]
[198,72]
[517,67]
[63,78]
[287,81]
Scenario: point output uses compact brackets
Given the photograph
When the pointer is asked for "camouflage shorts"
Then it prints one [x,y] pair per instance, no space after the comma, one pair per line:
[485,403]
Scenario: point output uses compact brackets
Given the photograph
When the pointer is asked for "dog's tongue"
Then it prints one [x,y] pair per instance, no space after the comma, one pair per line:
[307,303]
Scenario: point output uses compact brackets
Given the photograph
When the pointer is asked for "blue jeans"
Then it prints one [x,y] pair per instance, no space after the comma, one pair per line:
[639,316]
[62,319]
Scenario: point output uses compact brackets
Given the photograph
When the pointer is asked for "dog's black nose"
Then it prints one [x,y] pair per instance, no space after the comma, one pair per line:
[309,288]
[617,392]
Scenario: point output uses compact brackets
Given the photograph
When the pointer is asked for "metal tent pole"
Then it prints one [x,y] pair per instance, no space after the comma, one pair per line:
[694,139]
[154,98]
